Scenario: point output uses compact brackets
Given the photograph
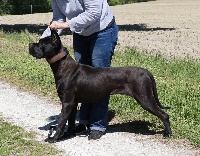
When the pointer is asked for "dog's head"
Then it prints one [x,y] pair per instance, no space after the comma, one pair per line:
[47,47]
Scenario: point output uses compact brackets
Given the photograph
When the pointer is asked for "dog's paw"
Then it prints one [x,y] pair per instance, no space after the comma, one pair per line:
[50,140]
[52,131]
[167,135]
[67,136]
[62,138]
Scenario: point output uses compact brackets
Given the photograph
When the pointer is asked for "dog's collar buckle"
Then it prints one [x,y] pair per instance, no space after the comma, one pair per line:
[57,57]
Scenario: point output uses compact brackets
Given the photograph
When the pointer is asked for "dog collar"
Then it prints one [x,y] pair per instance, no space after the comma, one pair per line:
[57,57]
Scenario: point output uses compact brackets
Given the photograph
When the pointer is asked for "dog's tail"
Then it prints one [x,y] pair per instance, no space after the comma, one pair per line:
[155,92]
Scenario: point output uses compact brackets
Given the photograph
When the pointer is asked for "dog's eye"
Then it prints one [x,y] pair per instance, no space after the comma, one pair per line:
[42,49]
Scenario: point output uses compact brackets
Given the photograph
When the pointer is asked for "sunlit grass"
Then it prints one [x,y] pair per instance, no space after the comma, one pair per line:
[14,141]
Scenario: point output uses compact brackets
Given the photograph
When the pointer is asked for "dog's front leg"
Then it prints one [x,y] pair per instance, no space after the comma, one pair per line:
[71,121]
[65,113]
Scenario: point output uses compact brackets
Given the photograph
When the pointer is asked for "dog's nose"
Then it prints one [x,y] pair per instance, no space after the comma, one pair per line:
[31,47]
[30,44]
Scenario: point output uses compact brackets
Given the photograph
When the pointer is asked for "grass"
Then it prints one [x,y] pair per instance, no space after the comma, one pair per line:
[178,83]
[14,141]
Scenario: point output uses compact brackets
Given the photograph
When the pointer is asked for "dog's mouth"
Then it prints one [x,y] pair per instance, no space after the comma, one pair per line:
[37,56]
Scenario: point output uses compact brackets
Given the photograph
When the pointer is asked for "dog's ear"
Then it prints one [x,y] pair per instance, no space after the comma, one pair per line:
[55,37]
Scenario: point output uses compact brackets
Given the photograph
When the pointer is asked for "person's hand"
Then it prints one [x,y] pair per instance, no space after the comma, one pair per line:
[54,25]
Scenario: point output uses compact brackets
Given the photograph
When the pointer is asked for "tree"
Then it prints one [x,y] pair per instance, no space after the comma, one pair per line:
[18,7]
[5,7]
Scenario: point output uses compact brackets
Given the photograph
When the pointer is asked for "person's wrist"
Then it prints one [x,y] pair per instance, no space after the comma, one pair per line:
[66,25]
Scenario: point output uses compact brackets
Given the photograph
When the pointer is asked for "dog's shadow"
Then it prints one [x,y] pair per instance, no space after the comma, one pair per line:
[137,127]
[53,120]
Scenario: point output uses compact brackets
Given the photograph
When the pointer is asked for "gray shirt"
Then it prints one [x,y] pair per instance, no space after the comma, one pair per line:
[84,17]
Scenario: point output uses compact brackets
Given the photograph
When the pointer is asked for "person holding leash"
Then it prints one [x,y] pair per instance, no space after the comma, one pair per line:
[95,35]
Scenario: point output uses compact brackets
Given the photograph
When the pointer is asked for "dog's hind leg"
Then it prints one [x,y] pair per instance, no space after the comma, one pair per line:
[149,104]
[144,95]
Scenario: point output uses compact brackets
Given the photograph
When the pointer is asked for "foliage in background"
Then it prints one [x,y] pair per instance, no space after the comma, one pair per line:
[5,7]
[178,83]
[119,2]
[18,7]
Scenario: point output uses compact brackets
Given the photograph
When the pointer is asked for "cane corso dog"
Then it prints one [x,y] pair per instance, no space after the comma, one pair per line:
[79,83]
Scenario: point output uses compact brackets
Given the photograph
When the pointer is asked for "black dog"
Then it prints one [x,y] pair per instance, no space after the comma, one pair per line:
[76,83]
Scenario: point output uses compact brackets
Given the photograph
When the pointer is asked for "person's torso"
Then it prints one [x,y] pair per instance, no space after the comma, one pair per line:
[73,8]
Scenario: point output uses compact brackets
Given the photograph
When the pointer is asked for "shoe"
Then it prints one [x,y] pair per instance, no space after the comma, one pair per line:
[81,128]
[94,135]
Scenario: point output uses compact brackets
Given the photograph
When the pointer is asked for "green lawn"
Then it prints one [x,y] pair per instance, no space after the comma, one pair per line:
[14,141]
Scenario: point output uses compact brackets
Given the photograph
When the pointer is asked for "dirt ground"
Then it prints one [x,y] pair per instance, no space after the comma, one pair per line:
[168,27]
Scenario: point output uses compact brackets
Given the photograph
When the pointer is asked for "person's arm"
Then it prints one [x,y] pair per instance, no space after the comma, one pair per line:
[57,16]
[92,13]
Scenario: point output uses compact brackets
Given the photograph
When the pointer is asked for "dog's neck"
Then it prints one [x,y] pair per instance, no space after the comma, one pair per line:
[59,61]
[57,57]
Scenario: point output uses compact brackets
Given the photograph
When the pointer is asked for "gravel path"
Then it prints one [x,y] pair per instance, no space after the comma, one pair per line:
[32,113]
[168,27]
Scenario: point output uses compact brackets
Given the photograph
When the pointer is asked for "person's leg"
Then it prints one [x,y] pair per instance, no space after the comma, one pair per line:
[82,55]
[102,48]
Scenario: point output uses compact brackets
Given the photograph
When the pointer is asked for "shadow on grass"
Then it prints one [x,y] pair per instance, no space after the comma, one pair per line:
[32,28]
[39,29]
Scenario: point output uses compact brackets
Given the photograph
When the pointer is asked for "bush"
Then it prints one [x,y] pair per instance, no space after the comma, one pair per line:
[18,7]
[5,8]
[114,2]
[118,2]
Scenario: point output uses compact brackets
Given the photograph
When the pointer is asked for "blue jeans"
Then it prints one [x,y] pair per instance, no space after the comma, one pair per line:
[95,50]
